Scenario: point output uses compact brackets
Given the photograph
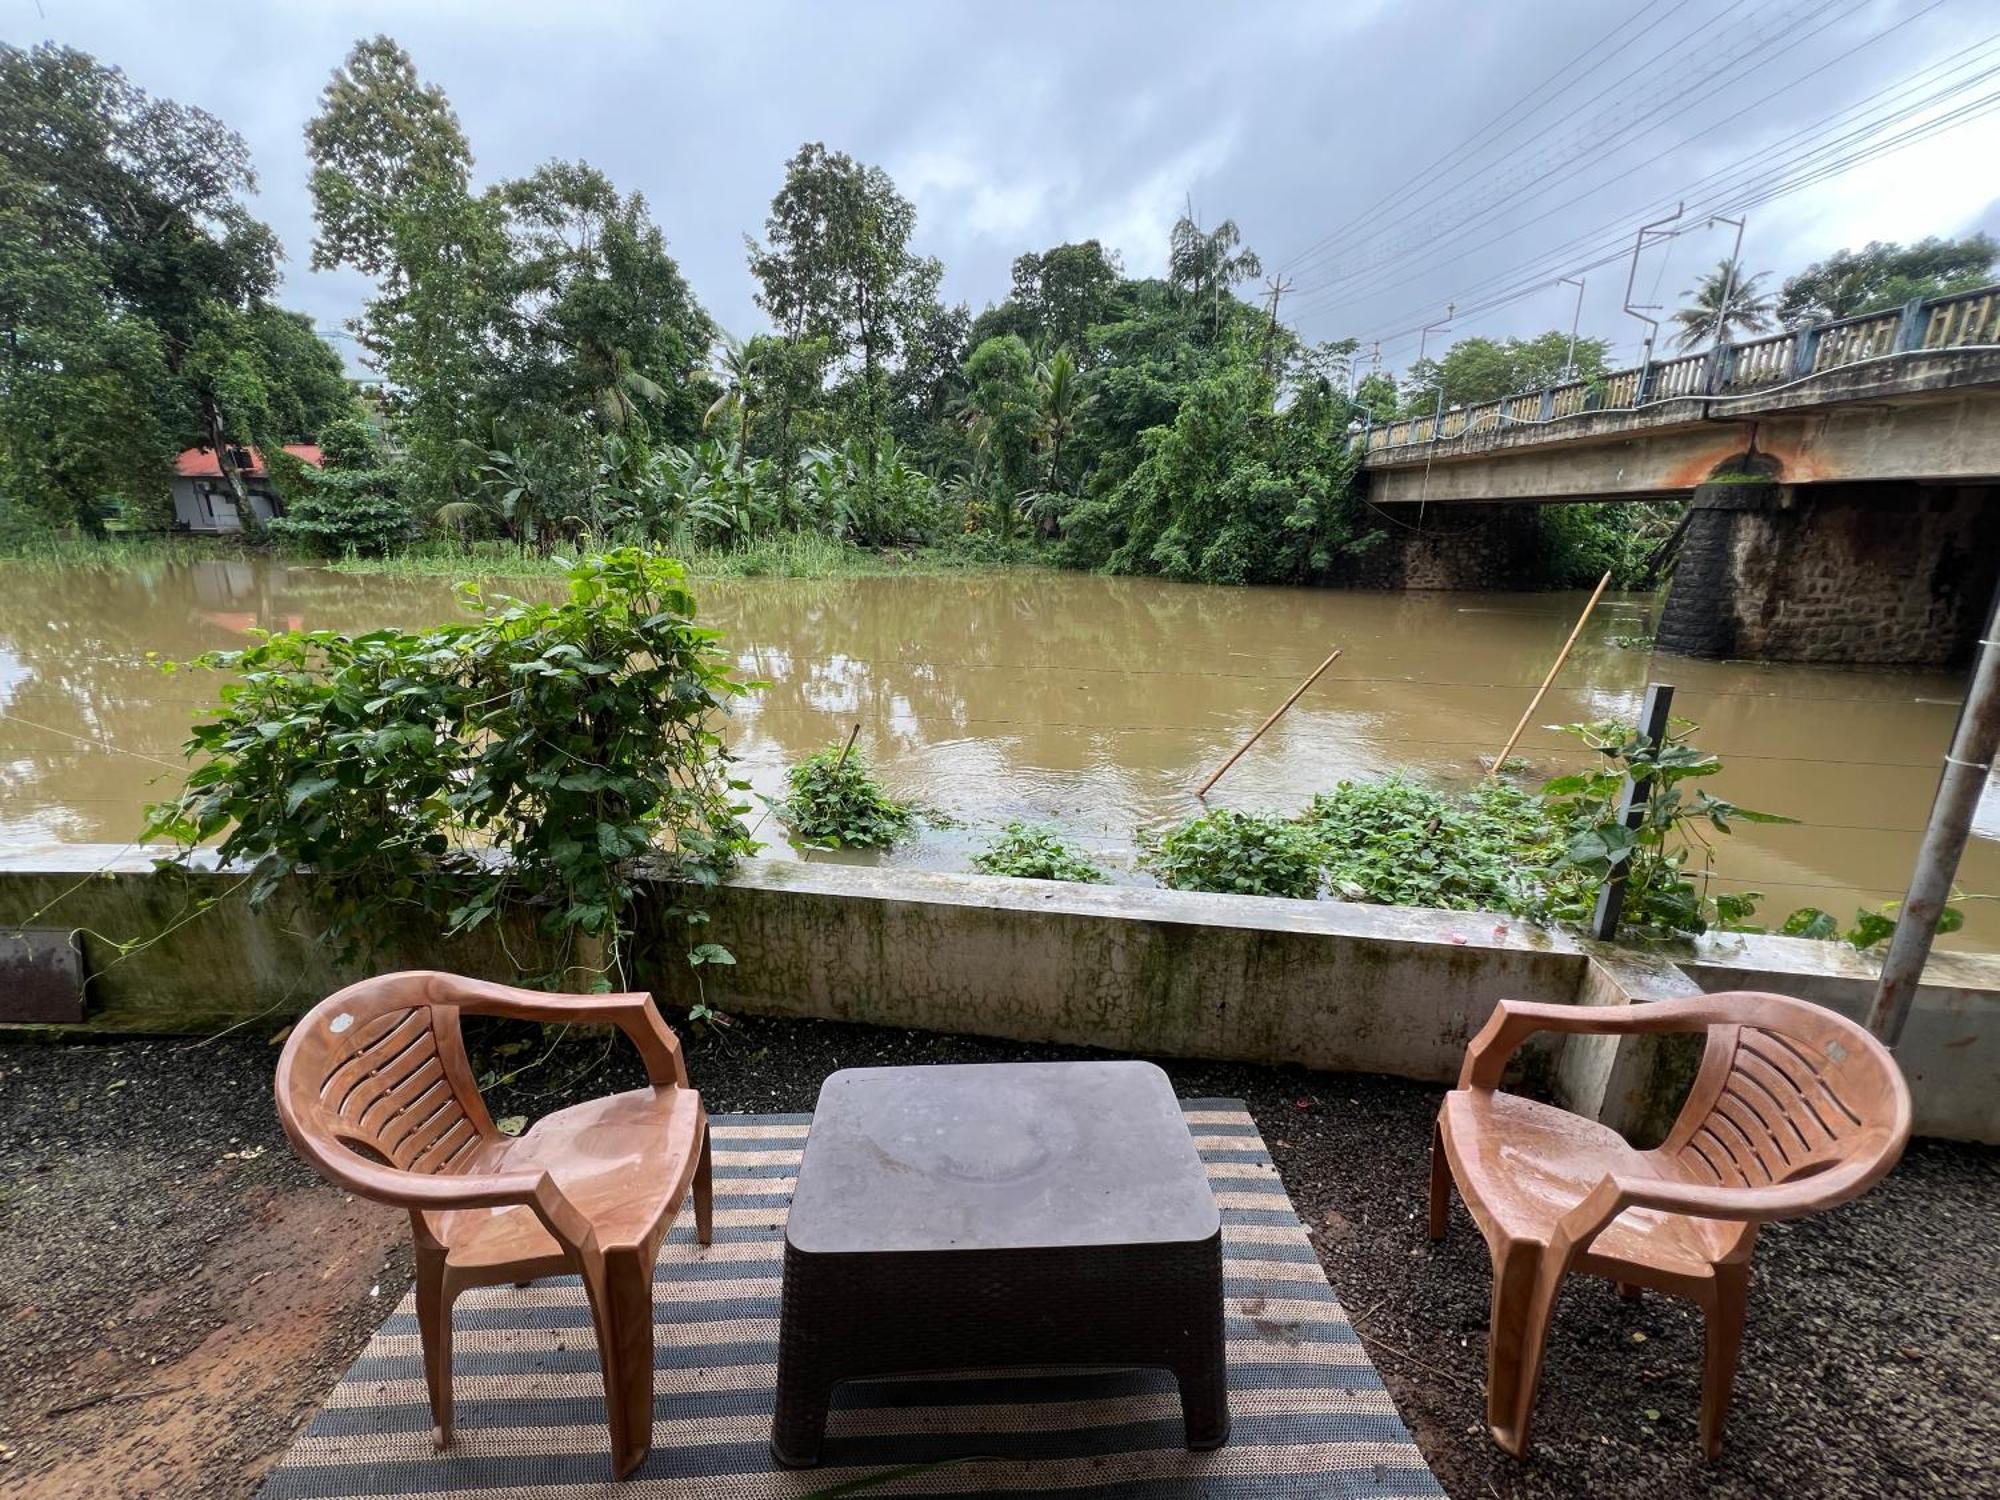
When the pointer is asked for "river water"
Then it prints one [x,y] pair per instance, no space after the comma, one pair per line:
[1096,704]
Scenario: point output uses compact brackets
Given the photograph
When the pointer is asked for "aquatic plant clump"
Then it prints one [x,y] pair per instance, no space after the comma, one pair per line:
[1402,843]
[836,801]
[1244,854]
[1027,852]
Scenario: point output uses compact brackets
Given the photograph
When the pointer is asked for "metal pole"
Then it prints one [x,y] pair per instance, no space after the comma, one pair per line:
[1653,716]
[1729,276]
[1631,279]
[1575,322]
[1967,766]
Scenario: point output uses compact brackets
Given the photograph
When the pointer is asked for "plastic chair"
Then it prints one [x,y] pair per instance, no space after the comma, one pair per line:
[375,1091]
[1794,1109]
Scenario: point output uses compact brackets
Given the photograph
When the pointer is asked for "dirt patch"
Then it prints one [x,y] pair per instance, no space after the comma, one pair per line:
[205,1302]
[176,1292]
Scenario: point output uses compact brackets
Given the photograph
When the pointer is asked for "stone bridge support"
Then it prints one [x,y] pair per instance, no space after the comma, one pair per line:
[1872,574]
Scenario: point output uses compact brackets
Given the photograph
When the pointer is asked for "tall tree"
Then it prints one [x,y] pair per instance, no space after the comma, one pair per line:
[1482,369]
[1727,303]
[598,319]
[736,371]
[141,199]
[1883,275]
[1065,291]
[836,266]
[391,195]
[1207,263]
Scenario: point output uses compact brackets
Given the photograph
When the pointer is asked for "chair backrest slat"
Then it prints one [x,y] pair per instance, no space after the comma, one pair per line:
[1790,1091]
[386,1076]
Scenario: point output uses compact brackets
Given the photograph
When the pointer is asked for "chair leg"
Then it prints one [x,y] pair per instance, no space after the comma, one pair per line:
[1526,1279]
[434,1328]
[704,1194]
[1440,1183]
[1725,1341]
[620,1285]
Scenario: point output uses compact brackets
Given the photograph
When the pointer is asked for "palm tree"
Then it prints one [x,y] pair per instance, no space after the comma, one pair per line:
[736,366]
[1060,402]
[1727,292]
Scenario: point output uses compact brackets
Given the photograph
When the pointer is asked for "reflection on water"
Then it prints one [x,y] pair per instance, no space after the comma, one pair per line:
[1094,703]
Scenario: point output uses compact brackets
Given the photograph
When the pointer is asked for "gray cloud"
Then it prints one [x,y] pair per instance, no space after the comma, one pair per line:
[1016,127]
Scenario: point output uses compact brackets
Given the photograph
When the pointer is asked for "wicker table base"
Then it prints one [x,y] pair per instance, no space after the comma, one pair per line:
[996,1217]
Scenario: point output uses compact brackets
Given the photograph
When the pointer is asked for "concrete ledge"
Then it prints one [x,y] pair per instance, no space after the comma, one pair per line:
[1325,985]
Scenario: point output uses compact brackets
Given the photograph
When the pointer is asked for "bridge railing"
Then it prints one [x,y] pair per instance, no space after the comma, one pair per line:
[1926,324]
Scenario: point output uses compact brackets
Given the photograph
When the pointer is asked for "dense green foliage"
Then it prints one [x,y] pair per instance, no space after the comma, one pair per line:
[1027,852]
[833,799]
[1481,369]
[577,736]
[134,298]
[1243,854]
[1880,276]
[349,506]
[1398,841]
[549,375]
[1667,858]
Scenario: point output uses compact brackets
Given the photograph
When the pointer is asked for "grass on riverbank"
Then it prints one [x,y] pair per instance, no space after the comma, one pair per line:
[786,555]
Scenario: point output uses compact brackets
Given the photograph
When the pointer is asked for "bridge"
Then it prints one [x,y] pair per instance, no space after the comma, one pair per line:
[1845,480]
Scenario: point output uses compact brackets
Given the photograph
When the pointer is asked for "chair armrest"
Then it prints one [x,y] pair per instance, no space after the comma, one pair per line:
[1514,1021]
[634,1014]
[1779,1200]
[441,1192]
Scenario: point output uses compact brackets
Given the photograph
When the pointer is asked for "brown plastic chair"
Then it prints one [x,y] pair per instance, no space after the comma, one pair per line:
[375,1091]
[1794,1109]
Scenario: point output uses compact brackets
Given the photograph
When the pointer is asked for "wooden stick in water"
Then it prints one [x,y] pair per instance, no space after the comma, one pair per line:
[855,733]
[1297,693]
[1561,657]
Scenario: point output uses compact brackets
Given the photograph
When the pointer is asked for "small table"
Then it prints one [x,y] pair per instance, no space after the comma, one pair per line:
[992,1216]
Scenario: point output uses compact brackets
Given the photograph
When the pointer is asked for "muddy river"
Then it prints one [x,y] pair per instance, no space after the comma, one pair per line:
[1092,703]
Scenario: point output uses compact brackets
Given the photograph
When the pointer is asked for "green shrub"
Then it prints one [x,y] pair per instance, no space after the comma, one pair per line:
[1667,860]
[575,736]
[1397,841]
[352,505]
[1249,854]
[837,802]
[1030,853]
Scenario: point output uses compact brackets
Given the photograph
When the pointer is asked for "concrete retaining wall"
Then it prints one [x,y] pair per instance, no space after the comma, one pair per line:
[1326,985]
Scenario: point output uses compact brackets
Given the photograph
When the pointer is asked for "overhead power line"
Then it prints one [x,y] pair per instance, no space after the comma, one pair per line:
[1478,137]
[1636,112]
[1510,192]
[1804,154]
[1978,55]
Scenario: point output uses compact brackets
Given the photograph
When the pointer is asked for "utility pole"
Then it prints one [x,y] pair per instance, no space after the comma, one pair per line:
[1729,275]
[1967,765]
[1575,322]
[1277,286]
[1423,343]
[1656,230]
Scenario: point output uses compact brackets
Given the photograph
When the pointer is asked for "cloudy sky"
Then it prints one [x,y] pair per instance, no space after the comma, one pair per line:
[1385,159]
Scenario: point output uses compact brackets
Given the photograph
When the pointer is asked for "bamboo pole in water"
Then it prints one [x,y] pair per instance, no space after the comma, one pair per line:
[852,735]
[1297,693]
[1561,657]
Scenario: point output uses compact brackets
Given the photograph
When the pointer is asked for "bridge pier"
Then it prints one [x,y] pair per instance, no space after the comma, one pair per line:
[1872,574]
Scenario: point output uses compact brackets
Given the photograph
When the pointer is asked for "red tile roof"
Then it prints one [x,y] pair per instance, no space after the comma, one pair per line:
[200,463]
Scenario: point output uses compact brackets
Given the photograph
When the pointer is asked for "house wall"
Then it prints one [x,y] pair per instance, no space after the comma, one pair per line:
[207,505]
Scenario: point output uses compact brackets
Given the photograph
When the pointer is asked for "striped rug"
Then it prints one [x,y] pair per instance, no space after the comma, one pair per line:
[1310,1415]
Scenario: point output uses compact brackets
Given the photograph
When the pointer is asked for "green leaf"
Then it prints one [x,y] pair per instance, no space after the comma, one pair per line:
[305,789]
[710,953]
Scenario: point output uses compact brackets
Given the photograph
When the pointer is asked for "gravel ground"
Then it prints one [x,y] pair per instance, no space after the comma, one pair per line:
[177,1294]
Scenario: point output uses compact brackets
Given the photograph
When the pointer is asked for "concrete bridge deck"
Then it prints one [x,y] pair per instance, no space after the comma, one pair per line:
[1907,395]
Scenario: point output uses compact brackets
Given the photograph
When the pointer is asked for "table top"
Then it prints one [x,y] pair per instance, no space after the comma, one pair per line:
[998,1156]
